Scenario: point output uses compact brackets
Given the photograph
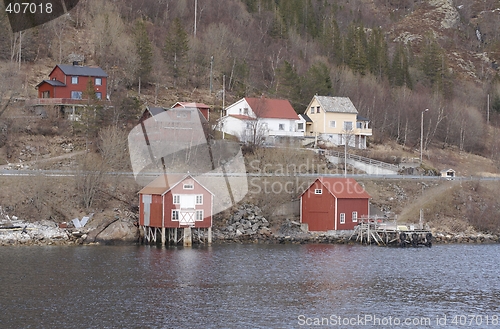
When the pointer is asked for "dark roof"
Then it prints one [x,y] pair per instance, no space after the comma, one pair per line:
[54,83]
[78,70]
[360,118]
[306,117]
[155,110]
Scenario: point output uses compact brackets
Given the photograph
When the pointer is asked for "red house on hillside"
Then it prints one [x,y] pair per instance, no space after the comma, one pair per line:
[204,109]
[333,204]
[71,82]
[175,201]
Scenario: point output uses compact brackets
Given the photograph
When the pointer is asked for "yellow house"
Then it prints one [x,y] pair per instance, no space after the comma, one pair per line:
[336,120]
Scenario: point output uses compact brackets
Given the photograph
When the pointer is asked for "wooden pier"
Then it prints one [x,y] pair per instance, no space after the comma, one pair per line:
[392,234]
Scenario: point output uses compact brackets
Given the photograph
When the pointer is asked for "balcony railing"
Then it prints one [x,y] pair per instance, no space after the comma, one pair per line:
[58,101]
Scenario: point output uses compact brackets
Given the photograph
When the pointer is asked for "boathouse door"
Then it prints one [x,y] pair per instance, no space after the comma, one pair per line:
[187,211]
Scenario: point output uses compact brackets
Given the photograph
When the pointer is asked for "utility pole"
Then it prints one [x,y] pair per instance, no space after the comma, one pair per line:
[488,110]
[223,104]
[195,14]
[422,135]
[211,73]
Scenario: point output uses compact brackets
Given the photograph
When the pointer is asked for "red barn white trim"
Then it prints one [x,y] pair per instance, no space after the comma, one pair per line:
[174,202]
[333,204]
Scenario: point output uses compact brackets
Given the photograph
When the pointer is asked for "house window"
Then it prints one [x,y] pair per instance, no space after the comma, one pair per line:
[347,125]
[188,186]
[76,95]
[74,80]
[359,125]
[177,199]
[281,126]
[318,191]
[175,214]
[199,199]
[98,81]
[317,109]
[249,125]
[46,94]
[300,126]
[245,111]
[199,215]
[342,218]
[333,124]
[98,95]
[312,110]
[354,216]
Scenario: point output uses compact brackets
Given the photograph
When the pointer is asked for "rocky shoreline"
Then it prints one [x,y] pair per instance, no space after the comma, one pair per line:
[245,225]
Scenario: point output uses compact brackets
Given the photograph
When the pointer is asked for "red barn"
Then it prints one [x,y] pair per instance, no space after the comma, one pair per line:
[71,81]
[203,108]
[174,201]
[333,204]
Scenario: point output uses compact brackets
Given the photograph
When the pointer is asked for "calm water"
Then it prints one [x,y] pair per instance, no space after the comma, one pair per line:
[249,286]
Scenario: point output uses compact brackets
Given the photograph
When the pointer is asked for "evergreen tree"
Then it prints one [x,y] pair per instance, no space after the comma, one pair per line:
[356,46]
[288,84]
[431,62]
[144,52]
[399,73]
[377,56]
[316,81]
[176,49]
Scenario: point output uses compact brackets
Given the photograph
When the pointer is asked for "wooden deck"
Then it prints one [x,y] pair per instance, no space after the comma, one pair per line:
[392,234]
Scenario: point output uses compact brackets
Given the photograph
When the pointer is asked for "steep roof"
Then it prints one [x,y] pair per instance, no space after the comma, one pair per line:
[78,70]
[165,183]
[343,188]
[272,108]
[191,104]
[305,117]
[336,104]
[54,83]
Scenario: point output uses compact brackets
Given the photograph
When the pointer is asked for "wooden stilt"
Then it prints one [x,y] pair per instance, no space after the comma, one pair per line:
[188,238]
[162,236]
[209,237]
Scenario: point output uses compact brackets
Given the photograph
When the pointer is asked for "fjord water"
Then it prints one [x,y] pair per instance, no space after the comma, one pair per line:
[249,286]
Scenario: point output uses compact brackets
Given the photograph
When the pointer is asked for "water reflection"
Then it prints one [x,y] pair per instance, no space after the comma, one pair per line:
[233,286]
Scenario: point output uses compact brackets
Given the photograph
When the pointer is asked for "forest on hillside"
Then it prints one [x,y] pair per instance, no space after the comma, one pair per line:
[289,49]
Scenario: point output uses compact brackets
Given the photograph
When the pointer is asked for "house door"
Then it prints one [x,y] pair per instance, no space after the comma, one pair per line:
[187,209]
[146,201]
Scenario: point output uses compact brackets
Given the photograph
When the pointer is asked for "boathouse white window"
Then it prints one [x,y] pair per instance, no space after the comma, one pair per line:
[354,216]
[300,126]
[74,80]
[175,214]
[177,199]
[318,191]
[281,126]
[98,81]
[199,215]
[333,124]
[199,199]
[342,218]
[188,186]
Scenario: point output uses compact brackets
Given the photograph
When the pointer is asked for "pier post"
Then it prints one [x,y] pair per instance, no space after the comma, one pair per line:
[188,238]
[175,236]
[209,238]
[163,236]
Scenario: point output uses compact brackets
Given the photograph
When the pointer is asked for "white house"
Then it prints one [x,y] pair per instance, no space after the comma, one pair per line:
[255,120]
